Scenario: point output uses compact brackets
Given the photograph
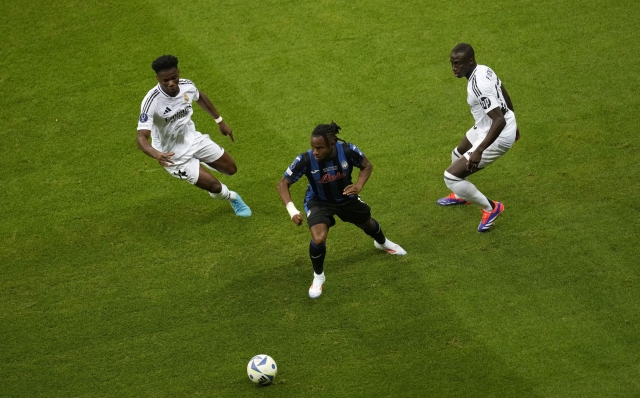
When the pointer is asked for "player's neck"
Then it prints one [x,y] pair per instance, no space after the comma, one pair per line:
[468,75]
[169,94]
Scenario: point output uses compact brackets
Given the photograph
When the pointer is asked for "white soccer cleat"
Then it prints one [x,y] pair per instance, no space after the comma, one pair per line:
[390,247]
[315,291]
[316,287]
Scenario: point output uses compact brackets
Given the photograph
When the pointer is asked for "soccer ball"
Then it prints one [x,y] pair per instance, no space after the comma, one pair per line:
[262,369]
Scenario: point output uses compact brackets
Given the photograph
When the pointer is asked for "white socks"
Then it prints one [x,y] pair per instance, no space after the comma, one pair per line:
[455,155]
[466,190]
[224,194]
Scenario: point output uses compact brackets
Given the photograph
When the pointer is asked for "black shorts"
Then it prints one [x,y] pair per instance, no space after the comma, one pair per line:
[353,211]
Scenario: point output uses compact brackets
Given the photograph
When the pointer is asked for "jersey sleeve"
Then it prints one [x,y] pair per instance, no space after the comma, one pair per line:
[145,120]
[195,94]
[296,170]
[356,156]
[487,86]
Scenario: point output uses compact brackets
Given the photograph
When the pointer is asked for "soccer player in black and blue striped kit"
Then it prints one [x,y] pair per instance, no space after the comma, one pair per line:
[328,166]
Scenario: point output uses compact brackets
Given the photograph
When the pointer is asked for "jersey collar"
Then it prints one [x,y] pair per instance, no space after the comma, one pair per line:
[474,72]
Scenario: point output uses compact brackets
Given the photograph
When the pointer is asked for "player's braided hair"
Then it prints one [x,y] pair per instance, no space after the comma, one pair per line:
[328,132]
[164,62]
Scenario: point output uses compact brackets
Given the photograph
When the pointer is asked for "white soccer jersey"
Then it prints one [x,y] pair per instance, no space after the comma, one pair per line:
[169,118]
[484,94]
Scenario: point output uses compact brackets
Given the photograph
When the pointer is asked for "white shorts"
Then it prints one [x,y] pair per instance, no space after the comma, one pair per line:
[499,147]
[187,166]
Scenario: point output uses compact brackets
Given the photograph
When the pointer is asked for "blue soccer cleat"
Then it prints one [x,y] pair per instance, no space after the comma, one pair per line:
[240,207]
[451,200]
[489,217]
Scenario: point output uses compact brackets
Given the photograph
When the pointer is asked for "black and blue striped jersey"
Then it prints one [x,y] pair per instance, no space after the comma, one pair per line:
[327,178]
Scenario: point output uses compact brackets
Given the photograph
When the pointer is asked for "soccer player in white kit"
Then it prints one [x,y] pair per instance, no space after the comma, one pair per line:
[494,132]
[165,116]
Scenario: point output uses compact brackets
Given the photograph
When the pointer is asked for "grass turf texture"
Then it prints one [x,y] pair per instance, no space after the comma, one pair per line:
[117,280]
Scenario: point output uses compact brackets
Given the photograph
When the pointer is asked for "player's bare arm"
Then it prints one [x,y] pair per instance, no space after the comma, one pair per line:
[143,143]
[206,104]
[285,196]
[507,99]
[497,125]
[363,176]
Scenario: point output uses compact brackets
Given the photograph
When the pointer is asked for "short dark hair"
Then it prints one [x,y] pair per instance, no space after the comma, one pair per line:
[464,48]
[164,62]
[328,132]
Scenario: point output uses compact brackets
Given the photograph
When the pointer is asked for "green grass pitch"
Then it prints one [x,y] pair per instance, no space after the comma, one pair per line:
[117,280]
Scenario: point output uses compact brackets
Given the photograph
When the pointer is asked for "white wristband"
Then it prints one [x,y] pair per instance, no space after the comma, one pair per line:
[218,120]
[291,208]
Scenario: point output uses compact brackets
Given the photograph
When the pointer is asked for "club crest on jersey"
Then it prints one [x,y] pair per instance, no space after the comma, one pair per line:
[485,102]
[143,118]
[345,164]
[186,98]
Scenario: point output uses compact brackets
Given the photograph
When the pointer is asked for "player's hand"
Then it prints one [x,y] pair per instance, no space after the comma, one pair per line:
[517,133]
[474,161]
[165,158]
[226,130]
[297,219]
[351,190]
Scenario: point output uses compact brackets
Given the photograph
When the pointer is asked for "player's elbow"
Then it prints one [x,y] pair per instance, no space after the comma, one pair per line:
[282,184]
[139,140]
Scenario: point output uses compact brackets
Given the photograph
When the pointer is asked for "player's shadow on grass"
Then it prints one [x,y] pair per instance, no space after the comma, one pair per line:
[365,325]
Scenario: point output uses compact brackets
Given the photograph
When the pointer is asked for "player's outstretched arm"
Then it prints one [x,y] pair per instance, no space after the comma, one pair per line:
[206,104]
[143,143]
[285,196]
[363,177]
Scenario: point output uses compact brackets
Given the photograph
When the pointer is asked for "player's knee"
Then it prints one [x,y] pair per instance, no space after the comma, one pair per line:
[367,226]
[232,169]
[228,168]
[319,237]
[451,180]
[455,154]
[319,240]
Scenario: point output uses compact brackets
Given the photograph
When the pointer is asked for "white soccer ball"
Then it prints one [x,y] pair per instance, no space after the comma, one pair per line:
[262,369]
